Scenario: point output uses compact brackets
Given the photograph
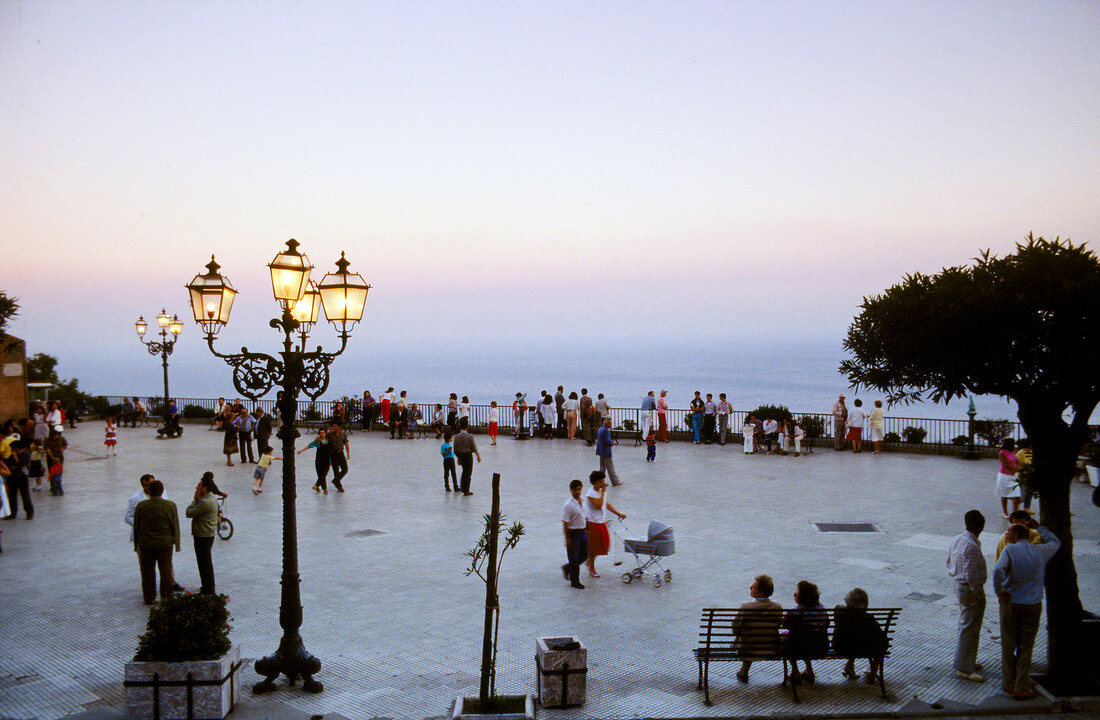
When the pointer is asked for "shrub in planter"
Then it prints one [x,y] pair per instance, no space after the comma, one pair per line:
[774,412]
[197,412]
[960,440]
[185,665]
[812,425]
[914,435]
[186,627]
[993,431]
[892,437]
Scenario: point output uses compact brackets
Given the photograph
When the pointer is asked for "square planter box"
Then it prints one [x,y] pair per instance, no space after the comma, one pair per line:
[215,686]
[525,701]
[562,667]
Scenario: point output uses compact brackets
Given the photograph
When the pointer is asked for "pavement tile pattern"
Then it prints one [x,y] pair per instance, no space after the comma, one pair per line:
[397,625]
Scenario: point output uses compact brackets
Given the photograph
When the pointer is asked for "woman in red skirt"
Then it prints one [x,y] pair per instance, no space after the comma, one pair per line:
[596,506]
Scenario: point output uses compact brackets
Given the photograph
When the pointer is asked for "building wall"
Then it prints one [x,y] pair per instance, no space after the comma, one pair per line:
[13,381]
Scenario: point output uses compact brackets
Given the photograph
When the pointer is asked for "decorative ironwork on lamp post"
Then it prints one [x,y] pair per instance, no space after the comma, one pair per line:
[343,295]
[169,326]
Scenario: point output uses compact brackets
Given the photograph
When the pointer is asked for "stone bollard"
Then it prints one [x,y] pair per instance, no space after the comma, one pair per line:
[561,664]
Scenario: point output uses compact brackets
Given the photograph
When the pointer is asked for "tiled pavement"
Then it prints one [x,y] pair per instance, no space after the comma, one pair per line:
[397,625]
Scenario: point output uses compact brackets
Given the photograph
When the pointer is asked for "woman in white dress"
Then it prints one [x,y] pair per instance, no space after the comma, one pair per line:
[41,427]
[749,430]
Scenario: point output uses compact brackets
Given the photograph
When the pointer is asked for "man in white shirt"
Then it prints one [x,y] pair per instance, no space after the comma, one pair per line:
[573,524]
[724,409]
[771,433]
[966,565]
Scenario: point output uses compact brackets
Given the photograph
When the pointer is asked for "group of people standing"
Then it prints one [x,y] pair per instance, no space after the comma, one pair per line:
[30,448]
[1018,577]
[848,425]
[238,425]
[155,534]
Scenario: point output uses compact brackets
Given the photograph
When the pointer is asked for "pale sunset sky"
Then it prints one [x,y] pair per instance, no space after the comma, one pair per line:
[562,170]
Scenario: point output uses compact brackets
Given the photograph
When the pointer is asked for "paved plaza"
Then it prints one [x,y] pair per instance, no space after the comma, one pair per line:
[397,624]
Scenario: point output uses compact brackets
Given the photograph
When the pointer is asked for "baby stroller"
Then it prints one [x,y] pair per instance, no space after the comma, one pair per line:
[649,552]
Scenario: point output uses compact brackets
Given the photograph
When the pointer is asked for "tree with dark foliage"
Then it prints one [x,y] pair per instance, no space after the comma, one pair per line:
[9,308]
[1024,326]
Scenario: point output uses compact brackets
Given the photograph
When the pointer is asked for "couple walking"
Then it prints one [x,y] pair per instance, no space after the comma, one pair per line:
[584,523]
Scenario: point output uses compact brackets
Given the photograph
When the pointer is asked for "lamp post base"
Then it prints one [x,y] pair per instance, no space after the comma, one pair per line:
[292,660]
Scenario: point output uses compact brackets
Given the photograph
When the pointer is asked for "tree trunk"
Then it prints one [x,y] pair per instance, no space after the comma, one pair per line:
[1056,445]
[491,601]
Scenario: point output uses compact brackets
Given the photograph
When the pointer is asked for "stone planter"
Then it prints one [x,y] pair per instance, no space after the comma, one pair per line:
[215,687]
[526,702]
[562,667]
[1094,475]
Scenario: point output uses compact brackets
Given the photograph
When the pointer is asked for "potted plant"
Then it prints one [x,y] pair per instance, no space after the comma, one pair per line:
[485,562]
[185,658]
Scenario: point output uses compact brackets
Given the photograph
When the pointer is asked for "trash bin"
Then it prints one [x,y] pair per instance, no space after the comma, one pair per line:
[561,665]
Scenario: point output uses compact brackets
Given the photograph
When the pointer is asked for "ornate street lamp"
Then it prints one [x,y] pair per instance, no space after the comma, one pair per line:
[343,296]
[170,327]
[971,452]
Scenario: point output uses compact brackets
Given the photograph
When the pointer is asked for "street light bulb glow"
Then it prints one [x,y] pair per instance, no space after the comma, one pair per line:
[343,294]
[140,326]
[211,298]
[308,308]
[175,326]
[290,274]
[162,319]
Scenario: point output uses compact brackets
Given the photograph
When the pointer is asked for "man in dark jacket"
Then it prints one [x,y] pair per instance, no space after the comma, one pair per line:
[263,429]
[156,531]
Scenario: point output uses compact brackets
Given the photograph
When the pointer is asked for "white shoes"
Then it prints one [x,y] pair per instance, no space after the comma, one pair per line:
[971,676]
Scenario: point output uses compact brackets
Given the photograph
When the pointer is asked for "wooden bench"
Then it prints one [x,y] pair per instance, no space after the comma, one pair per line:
[733,634]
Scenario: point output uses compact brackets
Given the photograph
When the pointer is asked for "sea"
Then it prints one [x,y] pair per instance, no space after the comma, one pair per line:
[801,375]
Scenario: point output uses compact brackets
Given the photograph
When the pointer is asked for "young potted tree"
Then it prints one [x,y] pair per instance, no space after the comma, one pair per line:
[485,562]
[185,665]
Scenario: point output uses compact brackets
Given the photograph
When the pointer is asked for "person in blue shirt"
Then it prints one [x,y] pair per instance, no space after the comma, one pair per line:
[604,442]
[1018,582]
[649,413]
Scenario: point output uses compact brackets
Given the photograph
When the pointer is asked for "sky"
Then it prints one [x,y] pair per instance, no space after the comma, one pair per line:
[556,172]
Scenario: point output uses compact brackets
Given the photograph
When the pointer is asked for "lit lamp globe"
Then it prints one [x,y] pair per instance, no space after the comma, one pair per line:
[290,275]
[211,298]
[343,295]
[175,325]
[163,318]
[141,326]
[308,308]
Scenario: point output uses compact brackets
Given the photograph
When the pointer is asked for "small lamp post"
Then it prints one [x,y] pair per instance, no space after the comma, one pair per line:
[971,452]
[170,328]
[343,295]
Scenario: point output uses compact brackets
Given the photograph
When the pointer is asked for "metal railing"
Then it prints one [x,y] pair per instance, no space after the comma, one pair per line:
[899,431]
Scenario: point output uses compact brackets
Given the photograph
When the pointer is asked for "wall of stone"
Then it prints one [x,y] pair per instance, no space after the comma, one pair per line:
[13,380]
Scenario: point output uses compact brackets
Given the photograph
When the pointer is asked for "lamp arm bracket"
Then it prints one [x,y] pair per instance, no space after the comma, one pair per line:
[254,374]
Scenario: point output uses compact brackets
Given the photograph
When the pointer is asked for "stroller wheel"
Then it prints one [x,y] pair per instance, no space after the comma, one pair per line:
[637,572]
[657,580]
[627,577]
[668,576]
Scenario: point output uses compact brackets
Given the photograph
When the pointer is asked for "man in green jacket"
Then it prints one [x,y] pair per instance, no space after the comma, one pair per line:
[156,531]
